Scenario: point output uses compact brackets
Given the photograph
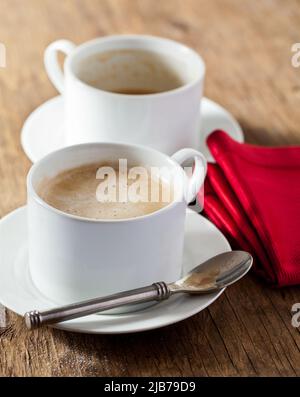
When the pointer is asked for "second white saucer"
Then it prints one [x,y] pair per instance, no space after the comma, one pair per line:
[43,131]
[18,293]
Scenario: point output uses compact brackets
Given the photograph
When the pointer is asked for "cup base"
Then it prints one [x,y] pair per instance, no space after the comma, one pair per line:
[117,311]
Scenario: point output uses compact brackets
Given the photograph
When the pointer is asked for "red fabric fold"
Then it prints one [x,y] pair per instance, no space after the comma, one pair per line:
[253,195]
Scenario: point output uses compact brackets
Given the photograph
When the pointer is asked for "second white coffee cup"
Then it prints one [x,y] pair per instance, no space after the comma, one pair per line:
[167,121]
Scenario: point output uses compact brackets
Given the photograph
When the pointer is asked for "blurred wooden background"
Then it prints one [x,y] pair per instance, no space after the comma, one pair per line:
[247,47]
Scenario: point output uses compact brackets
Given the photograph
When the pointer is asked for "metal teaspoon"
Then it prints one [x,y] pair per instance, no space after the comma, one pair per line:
[214,274]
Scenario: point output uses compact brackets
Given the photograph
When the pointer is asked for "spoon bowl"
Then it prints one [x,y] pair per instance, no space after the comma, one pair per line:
[216,273]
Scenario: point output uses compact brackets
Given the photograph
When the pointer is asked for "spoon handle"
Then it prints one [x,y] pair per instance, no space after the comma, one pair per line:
[157,291]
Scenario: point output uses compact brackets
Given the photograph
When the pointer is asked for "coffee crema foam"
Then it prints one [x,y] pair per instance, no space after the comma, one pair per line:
[74,191]
[130,72]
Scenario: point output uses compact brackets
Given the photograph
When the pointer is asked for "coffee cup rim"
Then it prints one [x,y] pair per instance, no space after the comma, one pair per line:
[112,38]
[31,191]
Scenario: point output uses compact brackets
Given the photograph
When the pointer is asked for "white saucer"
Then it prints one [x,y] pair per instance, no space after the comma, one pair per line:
[17,292]
[43,132]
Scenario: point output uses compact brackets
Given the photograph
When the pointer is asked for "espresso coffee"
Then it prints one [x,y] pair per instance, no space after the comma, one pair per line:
[131,72]
[89,191]
[135,91]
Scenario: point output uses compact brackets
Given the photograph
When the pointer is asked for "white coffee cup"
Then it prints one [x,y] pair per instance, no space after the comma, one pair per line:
[73,258]
[167,121]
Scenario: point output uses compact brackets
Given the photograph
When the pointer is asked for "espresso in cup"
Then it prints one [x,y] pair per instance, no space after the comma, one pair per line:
[130,72]
[102,192]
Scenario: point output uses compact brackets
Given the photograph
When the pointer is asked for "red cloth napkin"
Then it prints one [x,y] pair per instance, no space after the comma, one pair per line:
[252,194]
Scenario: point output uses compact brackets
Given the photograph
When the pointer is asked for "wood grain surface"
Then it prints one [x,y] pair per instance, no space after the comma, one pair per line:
[247,47]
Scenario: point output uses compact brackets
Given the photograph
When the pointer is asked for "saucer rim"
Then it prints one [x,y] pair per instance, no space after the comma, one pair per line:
[84,326]
[27,147]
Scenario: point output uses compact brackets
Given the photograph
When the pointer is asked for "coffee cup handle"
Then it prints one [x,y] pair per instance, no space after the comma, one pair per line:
[51,62]
[196,180]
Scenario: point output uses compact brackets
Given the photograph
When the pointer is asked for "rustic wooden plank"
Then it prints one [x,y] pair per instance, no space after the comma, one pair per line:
[2,317]
[246,46]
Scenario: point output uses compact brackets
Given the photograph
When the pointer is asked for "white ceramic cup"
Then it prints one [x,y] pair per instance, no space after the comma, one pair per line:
[73,258]
[166,121]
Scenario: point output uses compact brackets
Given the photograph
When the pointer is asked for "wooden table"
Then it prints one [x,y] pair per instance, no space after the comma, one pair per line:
[247,48]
